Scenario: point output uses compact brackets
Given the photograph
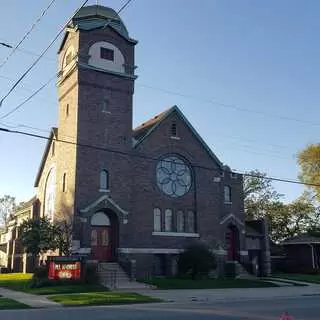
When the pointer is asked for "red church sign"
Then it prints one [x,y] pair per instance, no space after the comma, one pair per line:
[64,268]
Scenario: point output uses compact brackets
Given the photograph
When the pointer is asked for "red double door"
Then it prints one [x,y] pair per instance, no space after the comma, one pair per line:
[101,243]
[232,239]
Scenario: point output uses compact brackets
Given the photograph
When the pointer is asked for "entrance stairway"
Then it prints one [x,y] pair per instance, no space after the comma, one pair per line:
[113,277]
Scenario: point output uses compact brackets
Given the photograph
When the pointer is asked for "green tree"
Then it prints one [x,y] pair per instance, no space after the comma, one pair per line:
[288,220]
[309,162]
[7,208]
[259,193]
[197,260]
[37,236]
[63,237]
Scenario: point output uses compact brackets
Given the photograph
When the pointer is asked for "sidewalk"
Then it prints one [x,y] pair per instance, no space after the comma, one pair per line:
[239,294]
[34,301]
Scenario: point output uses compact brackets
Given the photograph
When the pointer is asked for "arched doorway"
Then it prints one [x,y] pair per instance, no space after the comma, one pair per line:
[232,241]
[104,236]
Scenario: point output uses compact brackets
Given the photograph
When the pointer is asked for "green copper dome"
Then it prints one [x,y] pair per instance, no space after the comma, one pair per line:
[96,16]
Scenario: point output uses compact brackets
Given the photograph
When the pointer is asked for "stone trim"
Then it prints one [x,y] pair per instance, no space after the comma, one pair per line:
[150,250]
[176,234]
[231,216]
[101,199]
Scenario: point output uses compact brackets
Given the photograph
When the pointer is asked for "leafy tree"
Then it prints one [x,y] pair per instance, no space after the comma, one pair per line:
[259,193]
[288,220]
[37,236]
[196,260]
[7,208]
[63,237]
[309,162]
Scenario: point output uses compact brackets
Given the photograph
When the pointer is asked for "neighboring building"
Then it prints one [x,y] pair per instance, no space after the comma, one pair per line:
[12,255]
[258,246]
[302,253]
[137,195]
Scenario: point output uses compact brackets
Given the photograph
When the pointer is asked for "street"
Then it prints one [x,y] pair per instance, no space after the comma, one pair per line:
[302,308]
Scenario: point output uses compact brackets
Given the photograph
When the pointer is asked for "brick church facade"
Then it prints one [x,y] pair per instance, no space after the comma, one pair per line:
[139,195]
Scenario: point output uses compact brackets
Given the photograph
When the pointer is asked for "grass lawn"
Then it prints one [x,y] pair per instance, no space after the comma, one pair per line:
[101,298]
[312,278]
[176,283]
[11,304]
[15,281]
[21,282]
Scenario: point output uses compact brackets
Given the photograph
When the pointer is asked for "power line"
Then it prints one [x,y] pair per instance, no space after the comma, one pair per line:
[41,55]
[244,148]
[43,13]
[153,158]
[8,45]
[42,87]
[19,106]
[229,106]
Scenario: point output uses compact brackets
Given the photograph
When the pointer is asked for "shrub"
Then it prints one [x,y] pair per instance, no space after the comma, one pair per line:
[40,277]
[230,270]
[196,261]
[90,274]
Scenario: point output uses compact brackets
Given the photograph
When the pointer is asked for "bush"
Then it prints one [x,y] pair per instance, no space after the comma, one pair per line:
[40,277]
[230,270]
[90,274]
[196,261]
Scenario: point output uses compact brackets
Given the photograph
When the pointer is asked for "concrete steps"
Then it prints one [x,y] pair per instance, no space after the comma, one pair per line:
[113,277]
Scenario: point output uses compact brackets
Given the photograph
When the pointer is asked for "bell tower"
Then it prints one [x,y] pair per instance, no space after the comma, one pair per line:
[95,89]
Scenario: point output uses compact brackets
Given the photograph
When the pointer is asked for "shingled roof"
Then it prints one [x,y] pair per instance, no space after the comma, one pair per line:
[145,129]
[301,239]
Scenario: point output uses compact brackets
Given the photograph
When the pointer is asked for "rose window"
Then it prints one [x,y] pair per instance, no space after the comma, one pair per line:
[173,176]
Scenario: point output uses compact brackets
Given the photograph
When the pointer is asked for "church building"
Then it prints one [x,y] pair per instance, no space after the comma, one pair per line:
[136,195]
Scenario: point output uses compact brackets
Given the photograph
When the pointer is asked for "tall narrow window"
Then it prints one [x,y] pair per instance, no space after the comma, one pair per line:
[94,238]
[104,180]
[168,220]
[191,222]
[174,132]
[67,110]
[53,148]
[69,58]
[157,219]
[227,194]
[105,106]
[180,221]
[64,182]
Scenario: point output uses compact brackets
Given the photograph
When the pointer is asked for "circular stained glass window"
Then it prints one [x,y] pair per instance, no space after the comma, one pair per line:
[173,176]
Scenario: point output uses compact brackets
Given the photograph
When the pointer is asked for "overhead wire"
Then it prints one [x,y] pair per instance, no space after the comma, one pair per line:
[137,155]
[20,105]
[25,36]
[41,55]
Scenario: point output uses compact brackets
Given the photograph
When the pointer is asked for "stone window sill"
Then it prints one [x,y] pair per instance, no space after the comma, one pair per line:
[176,234]
[104,190]
[175,138]
[228,202]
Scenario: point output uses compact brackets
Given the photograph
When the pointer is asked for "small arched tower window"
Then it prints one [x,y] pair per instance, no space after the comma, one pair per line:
[104,180]
[227,194]
[174,132]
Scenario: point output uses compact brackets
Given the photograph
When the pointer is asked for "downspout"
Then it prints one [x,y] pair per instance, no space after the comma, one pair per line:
[312,253]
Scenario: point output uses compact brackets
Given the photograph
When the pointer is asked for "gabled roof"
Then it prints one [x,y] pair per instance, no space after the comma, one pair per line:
[25,205]
[53,134]
[143,131]
[301,239]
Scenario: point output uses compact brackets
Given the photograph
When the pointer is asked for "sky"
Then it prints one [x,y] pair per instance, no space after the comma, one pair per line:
[245,73]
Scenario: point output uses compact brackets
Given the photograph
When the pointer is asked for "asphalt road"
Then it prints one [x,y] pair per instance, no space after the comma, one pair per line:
[304,308]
